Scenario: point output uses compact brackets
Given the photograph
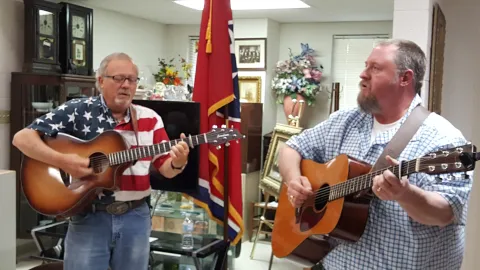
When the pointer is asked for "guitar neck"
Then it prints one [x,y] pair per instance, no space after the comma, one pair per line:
[131,155]
[359,183]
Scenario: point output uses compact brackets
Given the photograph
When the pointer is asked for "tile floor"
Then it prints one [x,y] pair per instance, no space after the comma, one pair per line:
[259,262]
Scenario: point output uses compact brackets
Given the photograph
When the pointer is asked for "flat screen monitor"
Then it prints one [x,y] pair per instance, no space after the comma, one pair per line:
[178,117]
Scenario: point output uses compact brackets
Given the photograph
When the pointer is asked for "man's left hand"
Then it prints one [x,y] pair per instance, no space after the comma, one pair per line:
[387,186]
[179,153]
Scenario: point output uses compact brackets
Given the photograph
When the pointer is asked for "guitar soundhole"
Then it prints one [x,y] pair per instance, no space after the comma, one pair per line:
[321,197]
[99,162]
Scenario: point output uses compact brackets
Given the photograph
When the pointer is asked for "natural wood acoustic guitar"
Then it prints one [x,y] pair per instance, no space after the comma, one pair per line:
[338,209]
[52,192]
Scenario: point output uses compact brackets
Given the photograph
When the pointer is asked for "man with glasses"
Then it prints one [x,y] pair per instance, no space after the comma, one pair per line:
[101,237]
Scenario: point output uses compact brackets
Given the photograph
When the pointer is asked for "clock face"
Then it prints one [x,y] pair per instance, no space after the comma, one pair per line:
[78,27]
[46,22]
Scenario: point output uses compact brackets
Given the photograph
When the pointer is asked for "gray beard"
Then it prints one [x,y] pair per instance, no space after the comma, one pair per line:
[368,104]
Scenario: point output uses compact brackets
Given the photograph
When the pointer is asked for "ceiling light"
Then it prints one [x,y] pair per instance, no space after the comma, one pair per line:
[249,4]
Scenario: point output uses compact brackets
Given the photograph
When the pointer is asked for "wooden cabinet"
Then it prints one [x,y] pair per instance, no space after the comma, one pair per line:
[32,95]
[251,127]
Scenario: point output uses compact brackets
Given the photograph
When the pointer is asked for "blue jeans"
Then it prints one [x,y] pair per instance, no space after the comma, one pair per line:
[98,240]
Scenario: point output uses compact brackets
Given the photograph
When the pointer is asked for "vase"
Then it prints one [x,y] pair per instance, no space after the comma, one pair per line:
[291,108]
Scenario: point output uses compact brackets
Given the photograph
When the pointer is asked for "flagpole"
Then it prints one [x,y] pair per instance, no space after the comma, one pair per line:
[225,191]
[225,184]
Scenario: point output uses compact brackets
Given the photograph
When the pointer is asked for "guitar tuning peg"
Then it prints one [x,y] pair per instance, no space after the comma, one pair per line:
[227,144]
[237,141]
[214,126]
[219,147]
[224,126]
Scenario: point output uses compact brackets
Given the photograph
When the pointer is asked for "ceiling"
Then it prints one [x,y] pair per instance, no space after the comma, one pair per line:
[167,12]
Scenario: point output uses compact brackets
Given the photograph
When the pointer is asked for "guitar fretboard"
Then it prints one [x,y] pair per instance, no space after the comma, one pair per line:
[153,150]
[363,182]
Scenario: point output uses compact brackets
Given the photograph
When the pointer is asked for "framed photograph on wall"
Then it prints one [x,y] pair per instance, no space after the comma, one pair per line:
[271,180]
[250,89]
[251,53]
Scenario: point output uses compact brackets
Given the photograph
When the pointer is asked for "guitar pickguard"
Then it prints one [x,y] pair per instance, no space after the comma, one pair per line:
[313,210]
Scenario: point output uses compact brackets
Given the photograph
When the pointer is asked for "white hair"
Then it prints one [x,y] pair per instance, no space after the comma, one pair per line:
[104,64]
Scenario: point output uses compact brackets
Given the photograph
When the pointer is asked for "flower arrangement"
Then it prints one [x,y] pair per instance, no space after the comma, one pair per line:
[299,75]
[168,73]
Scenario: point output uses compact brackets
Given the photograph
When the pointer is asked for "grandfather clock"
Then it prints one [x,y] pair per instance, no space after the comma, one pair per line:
[41,37]
[76,39]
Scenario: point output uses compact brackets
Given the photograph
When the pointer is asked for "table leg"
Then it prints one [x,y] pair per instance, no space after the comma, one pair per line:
[197,263]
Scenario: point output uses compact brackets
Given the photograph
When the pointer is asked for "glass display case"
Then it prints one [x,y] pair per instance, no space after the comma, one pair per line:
[168,213]
[32,95]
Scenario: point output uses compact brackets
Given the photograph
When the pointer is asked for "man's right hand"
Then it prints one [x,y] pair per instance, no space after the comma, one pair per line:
[75,165]
[299,189]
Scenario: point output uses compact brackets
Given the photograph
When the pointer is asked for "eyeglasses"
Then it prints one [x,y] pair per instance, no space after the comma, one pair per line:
[121,79]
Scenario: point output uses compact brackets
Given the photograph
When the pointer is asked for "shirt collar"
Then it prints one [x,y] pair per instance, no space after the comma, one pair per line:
[106,109]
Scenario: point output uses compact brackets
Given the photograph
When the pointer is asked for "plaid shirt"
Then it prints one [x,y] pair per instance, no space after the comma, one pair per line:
[393,240]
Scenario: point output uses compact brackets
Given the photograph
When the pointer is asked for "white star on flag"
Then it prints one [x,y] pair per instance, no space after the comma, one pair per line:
[76,111]
[54,126]
[100,118]
[62,107]
[49,116]
[99,130]
[86,129]
[110,120]
[71,117]
[88,101]
[87,115]
[39,121]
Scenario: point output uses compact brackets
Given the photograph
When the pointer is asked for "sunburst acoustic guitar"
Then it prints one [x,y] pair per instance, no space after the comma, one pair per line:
[339,206]
[52,192]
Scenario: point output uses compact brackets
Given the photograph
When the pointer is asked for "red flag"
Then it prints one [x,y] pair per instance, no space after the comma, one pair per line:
[216,88]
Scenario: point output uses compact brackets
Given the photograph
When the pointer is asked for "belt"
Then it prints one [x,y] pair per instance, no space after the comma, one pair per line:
[115,208]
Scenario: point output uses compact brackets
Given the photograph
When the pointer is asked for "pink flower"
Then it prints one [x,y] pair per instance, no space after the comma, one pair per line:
[316,75]
[306,73]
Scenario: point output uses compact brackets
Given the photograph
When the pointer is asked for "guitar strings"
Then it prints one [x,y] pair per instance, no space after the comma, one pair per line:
[352,183]
[98,160]
[356,181]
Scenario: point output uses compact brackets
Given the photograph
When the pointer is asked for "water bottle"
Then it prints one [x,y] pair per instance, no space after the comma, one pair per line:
[187,237]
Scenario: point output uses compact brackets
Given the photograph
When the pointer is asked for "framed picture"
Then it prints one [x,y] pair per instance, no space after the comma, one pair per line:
[251,53]
[271,180]
[250,89]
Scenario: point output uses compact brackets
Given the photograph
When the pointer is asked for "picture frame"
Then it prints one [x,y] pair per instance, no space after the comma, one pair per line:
[271,180]
[250,88]
[251,53]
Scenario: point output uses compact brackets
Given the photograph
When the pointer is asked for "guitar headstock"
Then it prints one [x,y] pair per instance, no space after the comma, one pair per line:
[452,160]
[223,135]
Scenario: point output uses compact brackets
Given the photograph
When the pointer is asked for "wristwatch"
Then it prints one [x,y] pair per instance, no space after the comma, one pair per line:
[177,168]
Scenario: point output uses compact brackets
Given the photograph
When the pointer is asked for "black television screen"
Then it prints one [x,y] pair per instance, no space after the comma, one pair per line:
[178,117]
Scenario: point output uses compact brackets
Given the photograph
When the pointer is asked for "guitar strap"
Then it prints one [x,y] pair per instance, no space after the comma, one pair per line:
[133,118]
[401,138]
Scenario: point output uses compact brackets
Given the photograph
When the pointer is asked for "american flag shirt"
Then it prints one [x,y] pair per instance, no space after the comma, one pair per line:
[392,239]
[86,118]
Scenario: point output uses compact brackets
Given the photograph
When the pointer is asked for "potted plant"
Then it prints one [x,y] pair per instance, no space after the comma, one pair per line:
[297,78]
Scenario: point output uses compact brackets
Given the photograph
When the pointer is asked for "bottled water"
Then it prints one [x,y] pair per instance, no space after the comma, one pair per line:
[187,237]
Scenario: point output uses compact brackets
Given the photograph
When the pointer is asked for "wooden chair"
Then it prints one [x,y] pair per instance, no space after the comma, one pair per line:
[263,221]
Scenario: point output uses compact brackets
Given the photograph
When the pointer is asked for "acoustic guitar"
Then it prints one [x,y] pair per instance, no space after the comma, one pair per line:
[338,209]
[52,192]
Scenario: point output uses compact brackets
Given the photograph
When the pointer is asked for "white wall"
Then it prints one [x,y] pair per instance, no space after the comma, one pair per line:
[461,96]
[145,41]
[319,36]
[11,55]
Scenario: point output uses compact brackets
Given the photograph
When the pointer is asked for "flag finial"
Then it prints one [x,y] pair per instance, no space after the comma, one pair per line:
[208,49]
